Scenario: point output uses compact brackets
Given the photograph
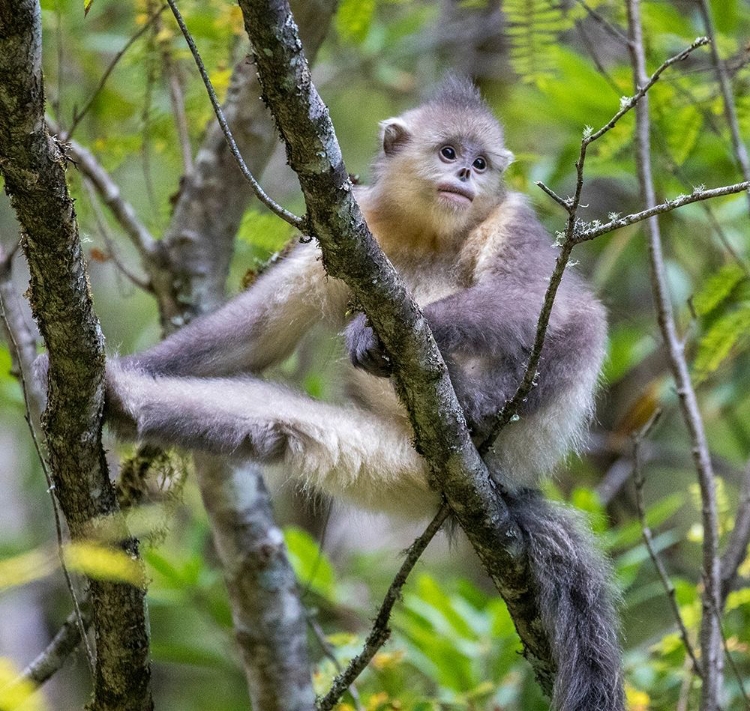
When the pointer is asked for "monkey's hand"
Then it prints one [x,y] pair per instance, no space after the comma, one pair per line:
[365,349]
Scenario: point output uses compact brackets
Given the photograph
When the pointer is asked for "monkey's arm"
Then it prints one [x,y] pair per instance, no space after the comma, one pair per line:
[254,330]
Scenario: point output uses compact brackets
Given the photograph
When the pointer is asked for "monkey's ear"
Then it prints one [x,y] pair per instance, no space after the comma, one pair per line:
[504,158]
[394,134]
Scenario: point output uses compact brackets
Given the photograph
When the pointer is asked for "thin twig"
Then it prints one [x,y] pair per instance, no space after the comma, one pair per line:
[639,480]
[730,110]
[104,232]
[730,660]
[329,653]
[177,99]
[48,477]
[295,221]
[605,23]
[380,630]
[736,550]
[595,230]
[63,644]
[122,210]
[710,638]
[79,115]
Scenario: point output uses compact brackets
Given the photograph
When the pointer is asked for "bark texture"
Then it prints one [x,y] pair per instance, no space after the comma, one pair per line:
[33,166]
[269,619]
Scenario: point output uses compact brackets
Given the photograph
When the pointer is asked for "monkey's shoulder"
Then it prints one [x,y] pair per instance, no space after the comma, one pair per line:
[509,242]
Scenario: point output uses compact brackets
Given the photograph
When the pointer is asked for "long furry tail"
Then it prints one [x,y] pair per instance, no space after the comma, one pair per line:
[576,599]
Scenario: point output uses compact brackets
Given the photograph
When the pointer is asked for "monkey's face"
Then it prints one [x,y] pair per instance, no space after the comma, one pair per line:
[443,166]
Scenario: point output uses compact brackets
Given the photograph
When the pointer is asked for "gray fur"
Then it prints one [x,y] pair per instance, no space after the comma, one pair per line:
[576,594]
[479,268]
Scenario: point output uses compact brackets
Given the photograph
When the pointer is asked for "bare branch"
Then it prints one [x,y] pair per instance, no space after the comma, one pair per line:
[567,241]
[587,232]
[736,550]
[293,220]
[33,169]
[214,198]
[710,636]
[104,232]
[638,477]
[730,109]
[613,30]
[380,631]
[269,620]
[63,644]
[111,194]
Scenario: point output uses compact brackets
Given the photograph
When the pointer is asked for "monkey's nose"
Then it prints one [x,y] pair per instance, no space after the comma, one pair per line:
[464,174]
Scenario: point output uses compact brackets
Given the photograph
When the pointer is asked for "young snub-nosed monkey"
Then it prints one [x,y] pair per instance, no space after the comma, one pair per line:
[478,263]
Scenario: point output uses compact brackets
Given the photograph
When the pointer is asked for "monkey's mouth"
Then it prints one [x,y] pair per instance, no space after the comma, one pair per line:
[456,194]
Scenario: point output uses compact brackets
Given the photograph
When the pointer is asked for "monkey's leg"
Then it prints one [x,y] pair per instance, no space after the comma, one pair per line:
[347,452]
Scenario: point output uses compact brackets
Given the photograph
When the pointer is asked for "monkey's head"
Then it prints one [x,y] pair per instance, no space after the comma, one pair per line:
[443,162]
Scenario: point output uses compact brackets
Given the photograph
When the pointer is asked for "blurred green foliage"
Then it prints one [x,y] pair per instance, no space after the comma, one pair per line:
[549,71]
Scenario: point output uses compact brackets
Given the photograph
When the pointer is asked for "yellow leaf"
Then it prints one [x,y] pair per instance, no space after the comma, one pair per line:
[738,598]
[387,660]
[87,6]
[25,568]
[637,700]
[220,79]
[102,562]
[17,694]
[230,19]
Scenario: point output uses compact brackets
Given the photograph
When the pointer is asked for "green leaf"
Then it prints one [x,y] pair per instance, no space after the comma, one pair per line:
[683,128]
[717,288]
[312,568]
[263,230]
[354,18]
[727,332]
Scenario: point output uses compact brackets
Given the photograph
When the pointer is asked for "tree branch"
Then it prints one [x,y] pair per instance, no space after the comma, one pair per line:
[381,631]
[213,200]
[590,231]
[293,220]
[33,167]
[710,636]
[730,110]
[269,620]
[640,482]
[567,240]
[736,550]
[63,644]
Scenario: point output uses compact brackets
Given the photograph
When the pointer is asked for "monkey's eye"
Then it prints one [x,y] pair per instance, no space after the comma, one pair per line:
[480,164]
[448,153]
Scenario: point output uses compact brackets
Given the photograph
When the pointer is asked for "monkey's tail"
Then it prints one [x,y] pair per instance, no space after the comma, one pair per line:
[576,599]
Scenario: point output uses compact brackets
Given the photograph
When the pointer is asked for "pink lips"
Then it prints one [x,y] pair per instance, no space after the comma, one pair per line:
[458,194]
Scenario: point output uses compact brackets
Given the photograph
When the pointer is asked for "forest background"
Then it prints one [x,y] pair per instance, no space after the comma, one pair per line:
[122,87]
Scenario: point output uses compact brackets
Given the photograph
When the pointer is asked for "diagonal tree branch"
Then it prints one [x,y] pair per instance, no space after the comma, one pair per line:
[380,631]
[350,253]
[33,167]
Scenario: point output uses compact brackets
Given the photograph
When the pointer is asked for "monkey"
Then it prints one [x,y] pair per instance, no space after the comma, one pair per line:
[478,262]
